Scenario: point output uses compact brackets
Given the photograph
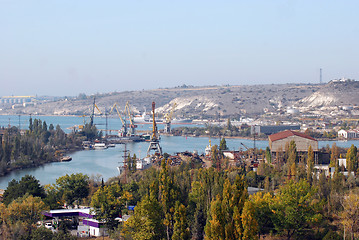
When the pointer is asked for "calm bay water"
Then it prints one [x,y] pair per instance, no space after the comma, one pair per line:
[104,162]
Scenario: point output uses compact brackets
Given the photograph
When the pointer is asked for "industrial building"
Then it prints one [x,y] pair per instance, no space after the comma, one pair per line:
[278,141]
[271,129]
[16,99]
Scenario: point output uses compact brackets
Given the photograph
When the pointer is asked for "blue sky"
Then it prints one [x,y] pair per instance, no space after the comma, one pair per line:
[67,47]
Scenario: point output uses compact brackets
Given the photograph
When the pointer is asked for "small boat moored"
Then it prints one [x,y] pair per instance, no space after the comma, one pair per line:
[100,146]
[65,159]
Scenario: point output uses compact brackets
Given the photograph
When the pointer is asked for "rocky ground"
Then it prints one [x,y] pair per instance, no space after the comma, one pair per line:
[214,101]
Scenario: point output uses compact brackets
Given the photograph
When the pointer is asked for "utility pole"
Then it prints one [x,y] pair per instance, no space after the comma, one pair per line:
[125,163]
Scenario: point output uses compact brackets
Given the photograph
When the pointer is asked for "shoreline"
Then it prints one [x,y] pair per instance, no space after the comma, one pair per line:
[33,165]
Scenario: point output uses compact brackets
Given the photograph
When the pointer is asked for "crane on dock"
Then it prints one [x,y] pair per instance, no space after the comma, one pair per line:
[123,120]
[132,127]
[93,111]
[155,140]
[168,119]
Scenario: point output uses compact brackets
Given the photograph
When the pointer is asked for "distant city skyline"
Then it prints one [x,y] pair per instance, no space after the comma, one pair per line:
[64,48]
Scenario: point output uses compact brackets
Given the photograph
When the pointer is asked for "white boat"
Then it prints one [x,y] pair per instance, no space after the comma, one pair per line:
[100,146]
[181,120]
[146,118]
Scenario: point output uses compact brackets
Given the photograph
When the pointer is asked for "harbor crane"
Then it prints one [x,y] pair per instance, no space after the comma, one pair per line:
[123,120]
[253,152]
[245,146]
[155,140]
[132,127]
[93,111]
[168,119]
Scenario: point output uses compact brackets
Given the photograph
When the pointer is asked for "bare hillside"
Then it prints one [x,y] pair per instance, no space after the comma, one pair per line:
[197,102]
[333,94]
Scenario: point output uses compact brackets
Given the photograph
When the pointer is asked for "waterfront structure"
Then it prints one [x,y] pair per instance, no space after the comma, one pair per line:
[278,141]
[271,129]
[348,134]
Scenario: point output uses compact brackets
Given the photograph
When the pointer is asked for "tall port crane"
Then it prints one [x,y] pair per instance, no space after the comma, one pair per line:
[93,111]
[123,120]
[155,140]
[168,119]
[132,127]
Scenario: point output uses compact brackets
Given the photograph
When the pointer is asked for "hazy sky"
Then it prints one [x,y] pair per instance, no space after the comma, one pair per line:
[67,47]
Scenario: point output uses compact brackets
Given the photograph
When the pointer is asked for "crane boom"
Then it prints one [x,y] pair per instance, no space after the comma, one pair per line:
[245,146]
[118,112]
[169,115]
[128,112]
[98,109]
[132,126]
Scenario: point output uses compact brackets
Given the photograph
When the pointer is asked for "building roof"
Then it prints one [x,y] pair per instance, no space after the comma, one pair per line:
[288,133]
[83,212]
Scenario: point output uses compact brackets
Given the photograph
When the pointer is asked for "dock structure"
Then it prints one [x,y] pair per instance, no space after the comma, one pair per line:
[155,141]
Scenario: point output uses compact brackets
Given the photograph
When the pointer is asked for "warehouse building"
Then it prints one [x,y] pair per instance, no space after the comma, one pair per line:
[278,141]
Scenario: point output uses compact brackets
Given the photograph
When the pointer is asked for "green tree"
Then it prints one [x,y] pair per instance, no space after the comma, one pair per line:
[249,222]
[351,157]
[20,216]
[268,155]
[214,228]
[46,234]
[53,197]
[73,188]
[223,145]
[90,132]
[224,221]
[167,197]
[350,215]
[199,223]
[28,184]
[262,211]
[108,201]
[180,230]
[216,157]
[334,153]
[292,153]
[294,209]
[310,164]
[146,223]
